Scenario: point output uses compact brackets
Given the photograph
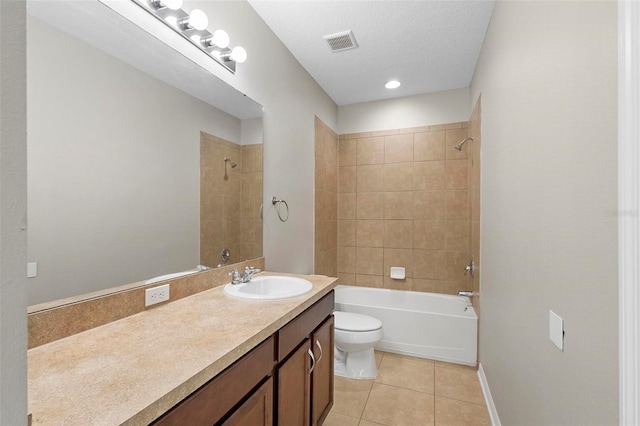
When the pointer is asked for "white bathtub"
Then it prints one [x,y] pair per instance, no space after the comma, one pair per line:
[425,325]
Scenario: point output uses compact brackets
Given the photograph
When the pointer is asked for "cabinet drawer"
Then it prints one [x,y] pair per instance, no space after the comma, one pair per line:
[213,400]
[299,328]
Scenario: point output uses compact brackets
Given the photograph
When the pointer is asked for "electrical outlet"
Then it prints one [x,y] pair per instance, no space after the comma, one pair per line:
[156,295]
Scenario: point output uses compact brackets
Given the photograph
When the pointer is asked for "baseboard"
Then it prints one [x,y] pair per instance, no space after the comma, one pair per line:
[493,413]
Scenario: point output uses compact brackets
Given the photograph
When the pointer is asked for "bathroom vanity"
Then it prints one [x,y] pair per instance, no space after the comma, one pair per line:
[204,359]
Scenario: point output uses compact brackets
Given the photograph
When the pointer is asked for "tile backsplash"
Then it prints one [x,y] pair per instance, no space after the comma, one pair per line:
[403,200]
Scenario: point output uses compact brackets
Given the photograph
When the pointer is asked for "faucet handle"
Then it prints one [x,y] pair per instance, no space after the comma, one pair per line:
[235,276]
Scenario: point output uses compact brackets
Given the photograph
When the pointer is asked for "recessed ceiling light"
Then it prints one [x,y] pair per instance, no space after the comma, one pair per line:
[392,84]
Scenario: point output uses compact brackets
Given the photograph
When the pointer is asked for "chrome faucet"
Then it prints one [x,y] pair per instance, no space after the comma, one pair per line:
[249,272]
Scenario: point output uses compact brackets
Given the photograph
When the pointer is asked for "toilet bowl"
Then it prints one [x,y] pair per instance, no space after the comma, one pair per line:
[355,336]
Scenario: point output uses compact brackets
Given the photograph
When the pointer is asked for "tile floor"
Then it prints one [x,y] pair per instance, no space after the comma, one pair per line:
[410,392]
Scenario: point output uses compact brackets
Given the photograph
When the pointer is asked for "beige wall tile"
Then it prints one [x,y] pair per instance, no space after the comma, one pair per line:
[393,284]
[398,177]
[398,257]
[429,286]
[457,174]
[429,146]
[455,263]
[429,205]
[370,233]
[398,205]
[347,179]
[429,264]
[346,206]
[370,205]
[369,261]
[454,137]
[346,233]
[398,148]
[346,279]
[370,150]
[374,281]
[457,205]
[453,287]
[429,234]
[370,178]
[385,132]
[326,205]
[326,234]
[326,262]
[438,127]
[356,135]
[398,234]
[429,175]
[457,235]
[347,153]
[475,239]
[347,259]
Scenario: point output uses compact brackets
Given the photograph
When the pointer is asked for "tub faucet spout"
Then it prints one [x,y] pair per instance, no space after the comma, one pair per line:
[465,293]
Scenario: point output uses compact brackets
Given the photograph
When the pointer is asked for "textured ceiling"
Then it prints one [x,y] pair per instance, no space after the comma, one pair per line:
[428,45]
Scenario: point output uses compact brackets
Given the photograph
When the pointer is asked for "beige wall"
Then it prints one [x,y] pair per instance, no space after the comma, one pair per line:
[547,74]
[326,205]
[13,205]
[450,106]
[403,201]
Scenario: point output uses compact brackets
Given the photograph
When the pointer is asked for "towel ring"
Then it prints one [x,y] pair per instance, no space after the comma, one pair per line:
[277,203]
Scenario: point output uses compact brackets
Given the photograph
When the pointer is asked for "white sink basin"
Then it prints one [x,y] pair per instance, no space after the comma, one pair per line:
[269,288]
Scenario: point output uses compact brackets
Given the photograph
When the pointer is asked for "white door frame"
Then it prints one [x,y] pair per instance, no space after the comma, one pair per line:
[628,209]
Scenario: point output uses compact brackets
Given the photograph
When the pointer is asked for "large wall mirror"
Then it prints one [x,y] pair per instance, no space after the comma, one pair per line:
[126,146]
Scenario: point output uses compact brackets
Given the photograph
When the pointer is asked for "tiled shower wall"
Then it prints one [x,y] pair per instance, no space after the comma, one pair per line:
[229,201]
[474,197]
[326,200]
[403,200]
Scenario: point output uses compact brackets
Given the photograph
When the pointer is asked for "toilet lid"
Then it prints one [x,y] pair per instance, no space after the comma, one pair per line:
[349,321]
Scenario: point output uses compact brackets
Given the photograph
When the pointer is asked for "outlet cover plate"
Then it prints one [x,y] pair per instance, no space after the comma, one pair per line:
[156,295]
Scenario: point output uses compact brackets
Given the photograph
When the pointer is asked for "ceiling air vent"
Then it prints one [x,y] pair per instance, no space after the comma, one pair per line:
[344,40]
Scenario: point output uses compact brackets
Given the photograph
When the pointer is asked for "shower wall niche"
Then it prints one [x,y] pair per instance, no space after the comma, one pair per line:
[230,200]
[403,200]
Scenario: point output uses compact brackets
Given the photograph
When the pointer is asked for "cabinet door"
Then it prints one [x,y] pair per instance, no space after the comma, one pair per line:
[322,376]
[294,388]
[257,410]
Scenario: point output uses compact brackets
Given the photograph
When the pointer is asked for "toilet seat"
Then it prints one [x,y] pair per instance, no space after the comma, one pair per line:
[349,321]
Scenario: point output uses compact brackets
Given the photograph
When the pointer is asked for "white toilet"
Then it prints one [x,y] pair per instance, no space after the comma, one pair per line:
[355,337]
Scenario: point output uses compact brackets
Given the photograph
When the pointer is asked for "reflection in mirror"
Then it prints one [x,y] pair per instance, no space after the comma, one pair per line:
[116,120]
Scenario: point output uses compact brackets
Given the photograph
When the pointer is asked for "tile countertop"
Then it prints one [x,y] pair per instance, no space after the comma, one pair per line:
[133,370]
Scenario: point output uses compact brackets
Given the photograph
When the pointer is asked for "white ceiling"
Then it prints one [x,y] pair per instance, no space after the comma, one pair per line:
[428,45]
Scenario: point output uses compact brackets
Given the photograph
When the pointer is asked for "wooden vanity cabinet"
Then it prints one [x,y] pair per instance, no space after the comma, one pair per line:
[287,380]
[304,377]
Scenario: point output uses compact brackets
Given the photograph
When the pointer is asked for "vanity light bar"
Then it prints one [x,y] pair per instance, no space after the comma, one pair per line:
[193,28]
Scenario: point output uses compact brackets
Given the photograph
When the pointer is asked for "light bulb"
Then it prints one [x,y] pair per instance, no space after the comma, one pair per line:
[198,19]
[172,4]
[392,84]
[238,54]
[220,39]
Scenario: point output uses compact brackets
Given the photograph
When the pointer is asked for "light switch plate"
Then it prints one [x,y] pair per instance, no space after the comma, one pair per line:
[556,329]
[32,269]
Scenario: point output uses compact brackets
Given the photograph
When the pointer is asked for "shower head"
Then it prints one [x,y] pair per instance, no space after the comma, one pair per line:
[233,165]
[459,146]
